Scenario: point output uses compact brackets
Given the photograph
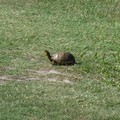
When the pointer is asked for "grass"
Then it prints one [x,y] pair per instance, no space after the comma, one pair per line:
[45,100]
[89,29]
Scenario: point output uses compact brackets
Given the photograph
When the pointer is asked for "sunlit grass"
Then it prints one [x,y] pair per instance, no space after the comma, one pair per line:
[89,29]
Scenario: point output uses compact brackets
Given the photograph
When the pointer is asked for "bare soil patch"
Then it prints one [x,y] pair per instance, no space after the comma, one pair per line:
[49,75]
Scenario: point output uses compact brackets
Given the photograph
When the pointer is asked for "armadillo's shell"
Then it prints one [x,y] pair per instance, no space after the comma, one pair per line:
[63,58]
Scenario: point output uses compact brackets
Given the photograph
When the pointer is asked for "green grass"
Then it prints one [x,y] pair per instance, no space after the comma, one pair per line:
[44,100]
[89,29]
